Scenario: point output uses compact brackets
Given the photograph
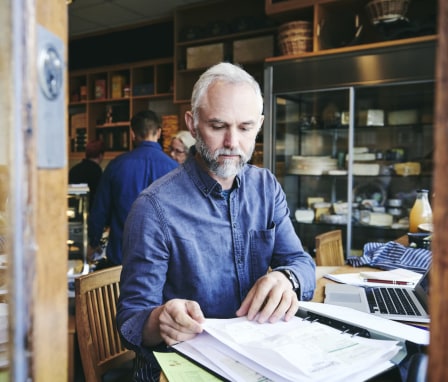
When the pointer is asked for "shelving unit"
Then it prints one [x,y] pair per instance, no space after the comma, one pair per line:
[370,120]
[348,69]
[346,25]
[207,33]
[103,100]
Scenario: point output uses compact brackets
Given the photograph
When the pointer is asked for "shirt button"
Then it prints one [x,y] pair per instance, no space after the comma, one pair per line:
[234,225]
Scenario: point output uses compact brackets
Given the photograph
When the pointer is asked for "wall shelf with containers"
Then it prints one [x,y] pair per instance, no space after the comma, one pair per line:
[351,149]
[211,32]
[103,100]
[347,25]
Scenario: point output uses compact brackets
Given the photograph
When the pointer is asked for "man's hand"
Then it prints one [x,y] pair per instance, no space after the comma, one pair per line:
[175,321]
[270,299]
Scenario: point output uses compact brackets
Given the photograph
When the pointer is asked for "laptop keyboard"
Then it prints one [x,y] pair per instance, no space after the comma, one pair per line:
[391,301]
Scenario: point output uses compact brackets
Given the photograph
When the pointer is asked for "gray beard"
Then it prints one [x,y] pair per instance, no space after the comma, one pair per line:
[228,168]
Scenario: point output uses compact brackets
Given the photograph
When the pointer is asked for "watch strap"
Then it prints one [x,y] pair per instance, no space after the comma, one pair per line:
[292,278]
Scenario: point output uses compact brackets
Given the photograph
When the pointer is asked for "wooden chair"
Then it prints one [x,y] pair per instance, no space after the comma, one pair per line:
[96,296]
[329,250]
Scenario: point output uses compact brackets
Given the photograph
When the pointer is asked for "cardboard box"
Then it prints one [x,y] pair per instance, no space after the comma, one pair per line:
[253,49]
[118,84]
[83,93]
[402,117]
[100,89]
[77,121]
[205,55]
[371,117]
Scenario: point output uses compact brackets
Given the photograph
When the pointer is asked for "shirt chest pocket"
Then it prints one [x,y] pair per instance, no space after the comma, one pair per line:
[261,249]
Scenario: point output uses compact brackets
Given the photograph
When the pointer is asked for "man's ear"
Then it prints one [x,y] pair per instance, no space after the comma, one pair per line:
[189,121]
[261,122]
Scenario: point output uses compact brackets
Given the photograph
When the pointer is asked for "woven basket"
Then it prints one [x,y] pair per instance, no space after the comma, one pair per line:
[387,10]
[295,37]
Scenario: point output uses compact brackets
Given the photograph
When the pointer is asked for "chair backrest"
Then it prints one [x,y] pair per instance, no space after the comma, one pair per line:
[96,296]
[329,250]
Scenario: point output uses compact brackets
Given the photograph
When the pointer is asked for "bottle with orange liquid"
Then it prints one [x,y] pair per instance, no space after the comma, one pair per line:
[421,211]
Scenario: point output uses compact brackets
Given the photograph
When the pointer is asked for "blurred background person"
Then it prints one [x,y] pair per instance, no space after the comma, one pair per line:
[180,146]
[122,181]
[89,170]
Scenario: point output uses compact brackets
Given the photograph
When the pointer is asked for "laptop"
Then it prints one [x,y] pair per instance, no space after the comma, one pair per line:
[402,303]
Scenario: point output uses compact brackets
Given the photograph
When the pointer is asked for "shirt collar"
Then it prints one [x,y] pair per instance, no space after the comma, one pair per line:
[205,183]
[149,144]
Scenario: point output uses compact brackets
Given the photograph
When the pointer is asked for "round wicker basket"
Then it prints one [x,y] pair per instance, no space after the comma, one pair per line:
[295,37]
[387,11]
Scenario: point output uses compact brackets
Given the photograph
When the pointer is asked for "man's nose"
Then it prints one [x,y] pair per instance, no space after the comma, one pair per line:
[231,138]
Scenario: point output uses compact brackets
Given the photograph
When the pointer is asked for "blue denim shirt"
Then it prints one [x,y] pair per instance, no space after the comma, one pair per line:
[184,239]
[123,179]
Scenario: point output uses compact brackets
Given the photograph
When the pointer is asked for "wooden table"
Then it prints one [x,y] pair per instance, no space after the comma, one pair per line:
[321,281]
[320,271]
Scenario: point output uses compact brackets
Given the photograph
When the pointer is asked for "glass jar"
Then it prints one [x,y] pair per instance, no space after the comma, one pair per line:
[421,211]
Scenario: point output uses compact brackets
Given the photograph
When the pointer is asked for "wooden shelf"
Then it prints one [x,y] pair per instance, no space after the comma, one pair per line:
[116,124]
[346,26]
[358,48]
[124,90]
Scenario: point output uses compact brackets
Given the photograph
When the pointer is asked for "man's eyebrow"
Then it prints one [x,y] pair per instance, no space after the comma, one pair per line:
[215,120]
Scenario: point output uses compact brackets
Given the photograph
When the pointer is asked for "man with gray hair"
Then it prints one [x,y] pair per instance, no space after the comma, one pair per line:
[213,238]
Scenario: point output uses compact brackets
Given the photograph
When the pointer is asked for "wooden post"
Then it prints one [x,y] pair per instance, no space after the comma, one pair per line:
[50,324]
[438,350]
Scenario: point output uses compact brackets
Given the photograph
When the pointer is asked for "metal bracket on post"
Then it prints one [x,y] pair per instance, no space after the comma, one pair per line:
[51,131]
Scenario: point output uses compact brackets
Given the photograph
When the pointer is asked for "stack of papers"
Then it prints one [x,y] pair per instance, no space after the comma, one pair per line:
[298,350]
[396,277]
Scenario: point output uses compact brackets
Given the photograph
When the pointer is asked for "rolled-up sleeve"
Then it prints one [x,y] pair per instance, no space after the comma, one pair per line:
[288,251]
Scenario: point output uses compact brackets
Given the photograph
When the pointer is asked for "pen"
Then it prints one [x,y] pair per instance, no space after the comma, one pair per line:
[419,326]
[393,282]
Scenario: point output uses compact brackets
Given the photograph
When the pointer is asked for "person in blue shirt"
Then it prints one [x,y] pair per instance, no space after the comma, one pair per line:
[122,181]
[214,237]
[89,169]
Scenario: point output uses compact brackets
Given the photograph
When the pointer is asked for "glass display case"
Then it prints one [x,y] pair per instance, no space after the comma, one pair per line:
[350,138]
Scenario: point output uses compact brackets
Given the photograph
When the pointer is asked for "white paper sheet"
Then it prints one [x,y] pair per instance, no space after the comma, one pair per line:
[358,279]
[293,351]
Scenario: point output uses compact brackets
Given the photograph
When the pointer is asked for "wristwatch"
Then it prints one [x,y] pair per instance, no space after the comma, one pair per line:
[291,278]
